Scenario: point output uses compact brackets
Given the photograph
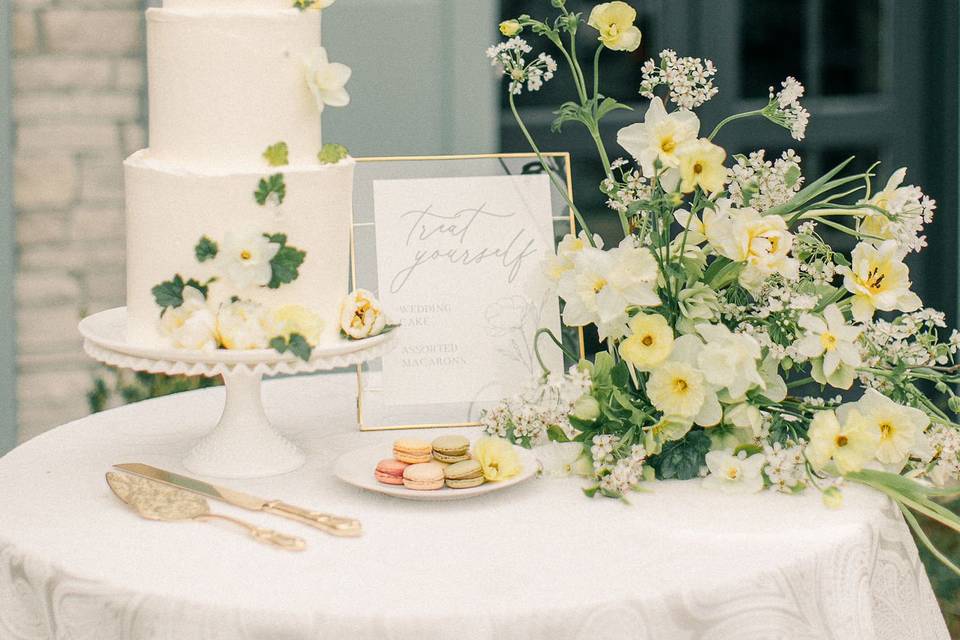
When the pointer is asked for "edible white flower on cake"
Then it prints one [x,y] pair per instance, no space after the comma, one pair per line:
[244,259]
[734,473]
[603,284]
[615,22]
[901,428]
[659,137]
[294,319]
[556,265]
[850,444]
[680,389]
[762,243]
[879,281]
[191,325]
[729,360]
[830,343]
[649,343]
[327,80]
[701,165]
[243,325]
[361,315]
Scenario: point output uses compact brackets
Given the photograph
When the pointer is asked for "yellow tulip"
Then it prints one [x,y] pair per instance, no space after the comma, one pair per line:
[614,21]
[510,28]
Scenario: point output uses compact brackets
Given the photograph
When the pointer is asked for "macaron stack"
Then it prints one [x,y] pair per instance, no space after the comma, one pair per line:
[427,466]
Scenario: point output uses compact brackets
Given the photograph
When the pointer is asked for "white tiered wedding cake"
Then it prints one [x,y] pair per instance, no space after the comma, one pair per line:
[238,219]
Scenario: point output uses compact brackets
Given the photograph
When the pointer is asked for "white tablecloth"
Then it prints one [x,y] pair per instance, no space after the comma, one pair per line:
[537,561]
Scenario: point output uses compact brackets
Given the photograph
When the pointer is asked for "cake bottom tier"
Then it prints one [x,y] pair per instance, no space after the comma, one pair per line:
[178,219]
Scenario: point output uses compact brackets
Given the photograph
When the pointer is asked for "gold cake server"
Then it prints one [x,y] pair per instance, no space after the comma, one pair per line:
[158,501]
[334,525]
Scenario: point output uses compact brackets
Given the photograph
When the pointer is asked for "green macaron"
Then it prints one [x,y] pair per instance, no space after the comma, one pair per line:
[451,449]
[464,475]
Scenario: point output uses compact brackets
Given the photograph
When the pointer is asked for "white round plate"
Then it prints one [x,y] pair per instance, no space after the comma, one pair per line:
[108,329]
[356,467]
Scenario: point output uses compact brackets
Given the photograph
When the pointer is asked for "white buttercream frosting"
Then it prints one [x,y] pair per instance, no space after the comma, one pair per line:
[257,5]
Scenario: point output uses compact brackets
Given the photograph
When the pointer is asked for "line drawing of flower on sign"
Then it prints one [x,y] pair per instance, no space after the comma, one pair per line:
[514,318]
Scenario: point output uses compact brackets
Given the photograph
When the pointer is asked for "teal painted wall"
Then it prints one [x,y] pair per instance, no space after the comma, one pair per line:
[8,410]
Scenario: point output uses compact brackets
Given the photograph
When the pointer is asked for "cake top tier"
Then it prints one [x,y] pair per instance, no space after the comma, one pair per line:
[227,5]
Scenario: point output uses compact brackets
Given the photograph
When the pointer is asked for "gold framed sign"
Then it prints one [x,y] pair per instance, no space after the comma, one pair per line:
[453,246]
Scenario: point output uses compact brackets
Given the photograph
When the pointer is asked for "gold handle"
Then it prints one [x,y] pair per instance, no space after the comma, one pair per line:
[334,525]
[266,536]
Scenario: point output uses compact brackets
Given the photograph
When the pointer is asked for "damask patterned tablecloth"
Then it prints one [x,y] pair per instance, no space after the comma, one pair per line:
[535,561]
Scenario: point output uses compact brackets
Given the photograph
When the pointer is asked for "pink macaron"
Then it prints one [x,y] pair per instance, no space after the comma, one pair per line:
[390,471]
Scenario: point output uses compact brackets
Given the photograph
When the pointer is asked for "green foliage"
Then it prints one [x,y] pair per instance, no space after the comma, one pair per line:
[206,249]
[286,264]
[113,386]
[682,459]
[295,344]
[273,186]
[170,293]
[277,155]
[332,153]
[589,114]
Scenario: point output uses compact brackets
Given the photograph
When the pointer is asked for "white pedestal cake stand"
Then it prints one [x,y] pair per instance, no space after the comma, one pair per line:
[243,444]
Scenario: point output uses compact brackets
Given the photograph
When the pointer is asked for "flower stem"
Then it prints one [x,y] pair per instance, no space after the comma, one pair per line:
[729,119]
[553,177]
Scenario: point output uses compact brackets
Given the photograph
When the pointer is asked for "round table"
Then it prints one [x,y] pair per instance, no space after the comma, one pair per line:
[538,560]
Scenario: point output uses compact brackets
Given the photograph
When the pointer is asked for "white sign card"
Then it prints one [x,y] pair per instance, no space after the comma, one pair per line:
[458,262]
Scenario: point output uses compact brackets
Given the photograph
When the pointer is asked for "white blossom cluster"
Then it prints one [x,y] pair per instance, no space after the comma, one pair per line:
[785,109]
[946,445]
[509,58]
[626,473]
[759,183]
[785,466]
[910,338]
[632,187]
[907,210]
[527,415]
[688,80]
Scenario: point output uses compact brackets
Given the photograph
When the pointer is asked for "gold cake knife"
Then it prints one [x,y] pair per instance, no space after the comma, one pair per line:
[334,525]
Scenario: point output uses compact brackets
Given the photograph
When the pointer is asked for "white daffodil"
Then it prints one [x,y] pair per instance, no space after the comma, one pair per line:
[561,459]
[658,137]
[729,360]
[761,242]
[361,315]
[192,324]
[745,416]
[850,445]
[679,388]
[878,280]
[244,259]
[731,473]
[831,345]
[327,80]
[603,284]
[243,325]
[901,428]
[556,265]
[649,343]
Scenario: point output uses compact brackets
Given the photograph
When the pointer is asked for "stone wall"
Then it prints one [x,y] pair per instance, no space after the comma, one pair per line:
[78,75]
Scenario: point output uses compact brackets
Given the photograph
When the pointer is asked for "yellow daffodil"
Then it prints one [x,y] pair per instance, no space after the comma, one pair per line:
[901,428]
[701,164]
[295,319]
[510,28]
[650,342]
[614,21]
[850,445]
[878,280]
[677,389]
[498,458]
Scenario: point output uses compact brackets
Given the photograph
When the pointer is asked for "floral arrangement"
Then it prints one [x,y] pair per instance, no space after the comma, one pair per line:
[741,347]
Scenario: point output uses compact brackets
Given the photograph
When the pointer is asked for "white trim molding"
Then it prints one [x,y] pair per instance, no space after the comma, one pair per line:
[8,352]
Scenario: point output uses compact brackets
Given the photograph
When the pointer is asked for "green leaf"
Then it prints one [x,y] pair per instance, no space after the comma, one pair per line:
[300,347]
[170,293]
[792,175]
[332,153]
[279,344]
[277,155]
[206,249]
[602,368]
[273,186]
[303,5]
[682,459]
[556,434]
[609,105]
[285,265]
[568,112]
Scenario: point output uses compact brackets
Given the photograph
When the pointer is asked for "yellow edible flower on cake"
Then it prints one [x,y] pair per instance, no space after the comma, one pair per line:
[361,315]
[614,21]
[498,458]
[296,319]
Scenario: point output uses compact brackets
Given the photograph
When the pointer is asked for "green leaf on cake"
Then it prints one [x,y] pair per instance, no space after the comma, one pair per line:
[332,153]
[277,155]
[272,189]
[295,344]
[206,249]
[286,264]
[170,293]
[303,5]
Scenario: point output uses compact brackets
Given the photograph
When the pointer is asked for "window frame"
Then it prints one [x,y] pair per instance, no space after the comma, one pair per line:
[8,352]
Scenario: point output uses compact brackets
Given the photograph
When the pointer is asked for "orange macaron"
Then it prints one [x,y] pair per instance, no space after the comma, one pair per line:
[412,451]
